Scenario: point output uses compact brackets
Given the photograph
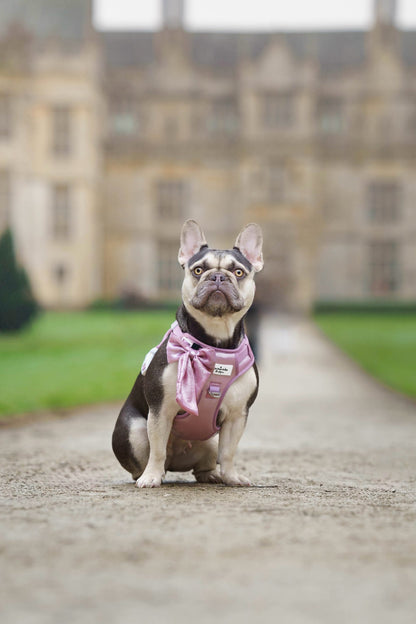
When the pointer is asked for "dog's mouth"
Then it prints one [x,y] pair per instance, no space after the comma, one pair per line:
[217,299]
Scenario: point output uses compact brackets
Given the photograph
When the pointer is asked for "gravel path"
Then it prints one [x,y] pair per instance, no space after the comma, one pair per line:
[327,535]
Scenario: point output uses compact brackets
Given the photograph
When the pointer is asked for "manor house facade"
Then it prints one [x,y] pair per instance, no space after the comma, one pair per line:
[110,140]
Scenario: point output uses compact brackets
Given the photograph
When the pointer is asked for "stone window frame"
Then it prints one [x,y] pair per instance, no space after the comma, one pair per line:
[330,115]
[125,118]
[62,217]
[383,266]
[62,130]
[224,116]
[169,274]
[269,182]
[276,181]
[60,272]
[278,110]
[384,201]
[6,116]
[171,198]
[171,128]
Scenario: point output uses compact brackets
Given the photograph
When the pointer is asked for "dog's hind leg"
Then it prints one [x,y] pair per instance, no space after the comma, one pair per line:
[130,441]
[205,469]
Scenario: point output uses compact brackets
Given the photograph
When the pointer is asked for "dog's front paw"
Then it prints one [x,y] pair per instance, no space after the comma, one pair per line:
[235,480]
[149,480]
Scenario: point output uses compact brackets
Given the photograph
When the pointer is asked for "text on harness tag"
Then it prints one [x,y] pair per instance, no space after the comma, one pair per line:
[223,369]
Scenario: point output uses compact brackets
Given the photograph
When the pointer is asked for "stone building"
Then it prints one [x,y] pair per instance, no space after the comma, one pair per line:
[109,140]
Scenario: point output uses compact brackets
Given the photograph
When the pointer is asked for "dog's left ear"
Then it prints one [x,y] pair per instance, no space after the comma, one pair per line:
[192,239]
[250,243]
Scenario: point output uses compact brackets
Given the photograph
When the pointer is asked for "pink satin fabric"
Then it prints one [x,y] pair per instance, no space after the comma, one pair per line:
[194,368]
[203,378]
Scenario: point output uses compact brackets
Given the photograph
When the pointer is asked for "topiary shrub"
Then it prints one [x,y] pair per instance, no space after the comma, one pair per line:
[17,304]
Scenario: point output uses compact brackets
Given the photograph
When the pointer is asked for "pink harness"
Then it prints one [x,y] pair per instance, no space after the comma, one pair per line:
[204,375]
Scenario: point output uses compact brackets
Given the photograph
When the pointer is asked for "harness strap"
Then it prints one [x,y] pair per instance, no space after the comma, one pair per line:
[229,365]
[205,374]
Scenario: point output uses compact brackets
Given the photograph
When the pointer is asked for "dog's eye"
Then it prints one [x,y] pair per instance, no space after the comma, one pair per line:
[239,273]
[197,271]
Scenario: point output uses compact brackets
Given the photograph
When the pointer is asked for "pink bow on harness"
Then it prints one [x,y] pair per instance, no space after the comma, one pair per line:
[204,375]
[195,366]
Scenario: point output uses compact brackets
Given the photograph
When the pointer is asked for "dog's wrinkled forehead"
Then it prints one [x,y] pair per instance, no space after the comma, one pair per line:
[228,259]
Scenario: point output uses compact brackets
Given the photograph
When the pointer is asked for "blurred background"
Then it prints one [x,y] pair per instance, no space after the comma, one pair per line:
[120,119]
[109,139]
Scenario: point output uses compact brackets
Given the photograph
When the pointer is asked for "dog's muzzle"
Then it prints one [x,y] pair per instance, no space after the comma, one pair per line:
[218,278]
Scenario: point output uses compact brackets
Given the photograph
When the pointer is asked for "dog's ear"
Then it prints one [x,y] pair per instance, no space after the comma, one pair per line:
[250,243]
[192,239]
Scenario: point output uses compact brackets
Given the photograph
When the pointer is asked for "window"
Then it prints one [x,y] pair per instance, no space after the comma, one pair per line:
[61,131]
[124,116]
[384,199]
[332,208]
[60,273]
[383,267]
[276,183]
[171,199]
[269,183]
[169,272]
[278,110]
[385,128]
[410,125]
[171,128]
[330,116]
[224,117]
[5,116]
[5,198]
[61,212]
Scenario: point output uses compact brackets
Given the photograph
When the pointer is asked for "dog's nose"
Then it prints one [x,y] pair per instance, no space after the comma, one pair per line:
[218,277]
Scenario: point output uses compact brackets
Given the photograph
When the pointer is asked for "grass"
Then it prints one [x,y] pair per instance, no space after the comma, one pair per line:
[383,344]
[74,358]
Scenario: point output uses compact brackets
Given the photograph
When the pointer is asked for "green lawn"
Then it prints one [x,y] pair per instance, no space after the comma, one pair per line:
[383,344]
[74,358]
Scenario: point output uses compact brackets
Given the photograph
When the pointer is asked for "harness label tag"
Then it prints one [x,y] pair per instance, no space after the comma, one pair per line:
[223,369]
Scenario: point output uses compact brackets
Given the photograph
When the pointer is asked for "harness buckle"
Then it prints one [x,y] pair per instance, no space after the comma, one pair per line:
[214,390]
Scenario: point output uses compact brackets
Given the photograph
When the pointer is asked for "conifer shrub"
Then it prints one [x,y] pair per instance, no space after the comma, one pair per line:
[18,306]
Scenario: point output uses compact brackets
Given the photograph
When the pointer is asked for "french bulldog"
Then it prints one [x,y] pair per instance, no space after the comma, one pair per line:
[217,291]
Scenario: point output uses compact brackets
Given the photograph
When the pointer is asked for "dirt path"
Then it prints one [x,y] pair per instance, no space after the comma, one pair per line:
[327,536]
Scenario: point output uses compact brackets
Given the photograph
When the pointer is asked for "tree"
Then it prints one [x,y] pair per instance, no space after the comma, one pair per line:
[17,304]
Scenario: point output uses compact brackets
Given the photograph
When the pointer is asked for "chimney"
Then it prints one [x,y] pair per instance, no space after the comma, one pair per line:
[173,14]
[385,12]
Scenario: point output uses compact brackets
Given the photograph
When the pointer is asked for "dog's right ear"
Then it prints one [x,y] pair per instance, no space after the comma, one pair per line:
[192,240]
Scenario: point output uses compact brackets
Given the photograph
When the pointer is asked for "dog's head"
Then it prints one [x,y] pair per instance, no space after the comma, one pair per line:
[218,283]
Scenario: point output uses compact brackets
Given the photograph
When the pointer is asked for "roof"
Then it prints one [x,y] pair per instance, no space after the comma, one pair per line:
[328,48]
[224,50]
[408,47]
[66,19]
[124,48]
[217,51]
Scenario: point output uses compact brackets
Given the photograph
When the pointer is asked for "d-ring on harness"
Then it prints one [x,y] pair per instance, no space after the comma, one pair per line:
[204,375]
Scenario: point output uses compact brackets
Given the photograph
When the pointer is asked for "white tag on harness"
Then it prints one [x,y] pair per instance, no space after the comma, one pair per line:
[223,369]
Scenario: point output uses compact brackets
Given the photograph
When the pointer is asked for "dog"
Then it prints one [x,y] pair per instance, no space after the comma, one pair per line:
[202,378]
